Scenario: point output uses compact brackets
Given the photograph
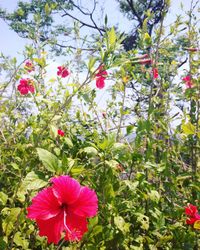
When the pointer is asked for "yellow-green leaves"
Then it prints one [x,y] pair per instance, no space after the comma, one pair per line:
[188,128]
[112,37]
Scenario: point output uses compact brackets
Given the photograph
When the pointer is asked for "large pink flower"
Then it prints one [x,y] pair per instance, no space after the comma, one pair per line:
[25,86]
[65,206]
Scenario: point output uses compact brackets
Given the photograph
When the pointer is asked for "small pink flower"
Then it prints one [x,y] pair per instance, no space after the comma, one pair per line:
[100,82]
[100,77]
[61,132]
[62,71]
[101,72]
[63,207]
[155,73]
[25,86]
[188,82]
[29,66]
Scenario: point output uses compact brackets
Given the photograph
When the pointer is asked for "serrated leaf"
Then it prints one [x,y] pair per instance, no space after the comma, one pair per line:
[49,160]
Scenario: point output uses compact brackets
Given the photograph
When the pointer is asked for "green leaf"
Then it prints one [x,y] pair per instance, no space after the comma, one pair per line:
[143,220]
[188,128]
[112,37]
[20,241]
[8,223]
[91,151]
[68,142]
[49,160]
[91,62]
[154,196]
[121,224]
[33,182]
[3,198]
[47,9]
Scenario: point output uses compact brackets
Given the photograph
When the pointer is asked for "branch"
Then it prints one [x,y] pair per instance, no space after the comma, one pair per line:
[83,23]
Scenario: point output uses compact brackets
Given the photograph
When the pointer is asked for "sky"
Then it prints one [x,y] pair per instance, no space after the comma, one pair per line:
[11,44]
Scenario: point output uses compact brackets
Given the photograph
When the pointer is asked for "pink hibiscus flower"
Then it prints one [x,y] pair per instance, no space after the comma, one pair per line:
[100,77]
[63,207]
[29,66]
[25,86]
[62,71]
[61,132]
[188,82]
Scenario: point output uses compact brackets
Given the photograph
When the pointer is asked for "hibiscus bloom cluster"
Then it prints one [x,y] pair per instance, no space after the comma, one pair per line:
[26,86]
[193,216]
[63,207]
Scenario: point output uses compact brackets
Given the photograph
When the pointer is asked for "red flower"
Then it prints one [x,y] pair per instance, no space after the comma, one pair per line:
[62,71]
[61,132]
[191,210]
[65,206]
[100,82]
[29,66]
[25,86]
[155,73]
[192,213]
[188,82]
[101,72]
[101,76]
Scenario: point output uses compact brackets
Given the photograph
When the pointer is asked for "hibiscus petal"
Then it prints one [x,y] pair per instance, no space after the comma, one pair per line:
[100,83]
[87,203]
[66,189]
[31,88]
[77,226]
[52,228]
[44,205]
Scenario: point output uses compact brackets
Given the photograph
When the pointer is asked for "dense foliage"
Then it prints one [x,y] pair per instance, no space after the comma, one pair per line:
[137,147]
